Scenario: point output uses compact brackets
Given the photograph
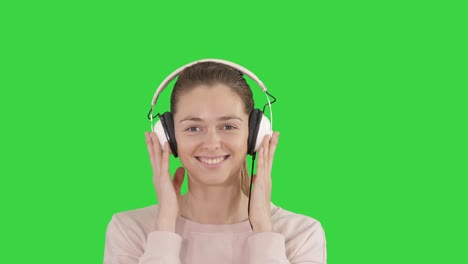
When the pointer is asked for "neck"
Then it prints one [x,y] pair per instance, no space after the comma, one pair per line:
[215,205]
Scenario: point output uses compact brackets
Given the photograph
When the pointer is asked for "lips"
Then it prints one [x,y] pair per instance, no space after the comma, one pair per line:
[212,161]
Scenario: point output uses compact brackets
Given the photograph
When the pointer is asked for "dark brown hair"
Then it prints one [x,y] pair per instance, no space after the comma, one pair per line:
[212,73]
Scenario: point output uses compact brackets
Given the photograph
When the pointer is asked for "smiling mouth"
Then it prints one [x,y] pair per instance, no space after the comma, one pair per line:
[212,161]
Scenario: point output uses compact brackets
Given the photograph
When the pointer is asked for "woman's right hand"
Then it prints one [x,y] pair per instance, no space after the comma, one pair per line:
[167,190]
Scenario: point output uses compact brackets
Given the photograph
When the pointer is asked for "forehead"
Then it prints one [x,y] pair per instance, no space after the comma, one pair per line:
[210,102]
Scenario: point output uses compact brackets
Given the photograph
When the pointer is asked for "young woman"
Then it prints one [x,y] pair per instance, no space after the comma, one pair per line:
[210,105]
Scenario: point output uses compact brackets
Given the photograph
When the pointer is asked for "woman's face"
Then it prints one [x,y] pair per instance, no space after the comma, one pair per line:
[211,130]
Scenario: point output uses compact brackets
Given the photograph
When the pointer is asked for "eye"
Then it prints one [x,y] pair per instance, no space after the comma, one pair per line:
[229,127]
[192,129]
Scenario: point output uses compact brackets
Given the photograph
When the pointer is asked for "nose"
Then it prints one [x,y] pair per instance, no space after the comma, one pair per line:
[212,140]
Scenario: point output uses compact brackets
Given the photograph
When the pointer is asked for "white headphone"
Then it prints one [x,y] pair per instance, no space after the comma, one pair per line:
[259,125]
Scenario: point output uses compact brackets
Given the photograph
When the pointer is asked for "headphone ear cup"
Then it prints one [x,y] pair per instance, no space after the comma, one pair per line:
[259,126]
[263,130]
[159,130]
[167,126]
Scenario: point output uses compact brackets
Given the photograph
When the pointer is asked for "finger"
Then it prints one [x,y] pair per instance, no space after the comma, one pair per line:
[260,162]
[271,152]
[265,157]
[156,148]
[165,160]
[178,179]
[266,162]
[151,152]
[266,144]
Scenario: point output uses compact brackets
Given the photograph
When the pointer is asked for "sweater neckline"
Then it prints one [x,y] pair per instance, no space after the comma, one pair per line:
[186,225]
[193,226]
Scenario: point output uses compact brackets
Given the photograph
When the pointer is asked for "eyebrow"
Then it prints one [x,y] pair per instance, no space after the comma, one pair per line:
[197,119]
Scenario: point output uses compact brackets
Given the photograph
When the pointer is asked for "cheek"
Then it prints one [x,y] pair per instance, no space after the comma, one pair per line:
[238,142]
[185,144]
[185,150]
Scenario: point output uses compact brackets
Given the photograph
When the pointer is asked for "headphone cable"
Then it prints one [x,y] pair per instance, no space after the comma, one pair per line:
[250,191]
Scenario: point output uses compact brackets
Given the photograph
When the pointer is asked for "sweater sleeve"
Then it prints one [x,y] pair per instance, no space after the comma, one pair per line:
[162,247]
[305,248]
[267,248]
[123,248]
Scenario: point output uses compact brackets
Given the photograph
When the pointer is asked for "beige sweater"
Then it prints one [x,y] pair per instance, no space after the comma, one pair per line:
[131,238]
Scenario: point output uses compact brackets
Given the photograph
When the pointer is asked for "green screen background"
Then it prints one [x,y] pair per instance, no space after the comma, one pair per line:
[371,109]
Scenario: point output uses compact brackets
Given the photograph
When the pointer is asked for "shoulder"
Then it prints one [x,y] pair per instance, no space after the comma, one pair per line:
[139,222]
[301,232]
[136,214]
[127,232]
[284,220]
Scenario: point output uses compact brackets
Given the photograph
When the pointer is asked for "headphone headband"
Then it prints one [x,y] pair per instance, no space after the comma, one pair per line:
[174,74]
[243,70]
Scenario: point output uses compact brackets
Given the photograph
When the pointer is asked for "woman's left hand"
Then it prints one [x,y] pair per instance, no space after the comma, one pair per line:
[260,214]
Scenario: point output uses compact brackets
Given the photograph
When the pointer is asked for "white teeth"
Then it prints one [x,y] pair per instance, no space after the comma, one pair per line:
[212,161]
